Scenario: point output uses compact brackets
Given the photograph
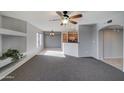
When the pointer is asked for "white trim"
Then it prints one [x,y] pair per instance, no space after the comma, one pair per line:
[5,62]
[113,57]
[123,49]
[97,48]
[11,32]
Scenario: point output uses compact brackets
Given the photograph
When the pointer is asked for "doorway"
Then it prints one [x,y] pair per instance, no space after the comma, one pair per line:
[111,45]
[52,45]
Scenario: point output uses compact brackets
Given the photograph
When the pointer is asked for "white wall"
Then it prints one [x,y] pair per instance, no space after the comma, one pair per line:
[116,20]
[13,42]
[70,49]
[0,40]
[94,41]
[33,39]
[0,45]
[0,21]
[100,42]
[87,41]
[41,40]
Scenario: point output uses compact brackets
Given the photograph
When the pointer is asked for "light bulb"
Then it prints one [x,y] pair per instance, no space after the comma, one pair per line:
[65,20]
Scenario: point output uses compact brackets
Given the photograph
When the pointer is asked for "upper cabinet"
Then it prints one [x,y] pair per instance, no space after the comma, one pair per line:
[70,37]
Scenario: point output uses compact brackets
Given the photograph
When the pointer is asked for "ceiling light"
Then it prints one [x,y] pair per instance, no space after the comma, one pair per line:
[65,20]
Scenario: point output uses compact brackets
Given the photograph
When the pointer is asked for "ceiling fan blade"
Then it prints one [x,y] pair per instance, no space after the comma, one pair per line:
[76,16]
[73,22]
[54,20]
[59,13]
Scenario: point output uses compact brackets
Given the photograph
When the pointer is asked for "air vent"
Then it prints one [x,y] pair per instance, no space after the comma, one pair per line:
[109,21]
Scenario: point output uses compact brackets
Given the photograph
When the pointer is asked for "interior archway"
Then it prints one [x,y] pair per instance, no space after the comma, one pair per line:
[111,45]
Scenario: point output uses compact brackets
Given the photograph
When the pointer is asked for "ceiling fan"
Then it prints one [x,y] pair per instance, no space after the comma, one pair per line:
[65,18]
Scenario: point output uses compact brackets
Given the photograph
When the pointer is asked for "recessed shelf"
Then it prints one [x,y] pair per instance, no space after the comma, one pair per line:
[4,31]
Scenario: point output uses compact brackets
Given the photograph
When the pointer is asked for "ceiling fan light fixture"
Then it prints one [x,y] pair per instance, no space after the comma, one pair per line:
[65,20]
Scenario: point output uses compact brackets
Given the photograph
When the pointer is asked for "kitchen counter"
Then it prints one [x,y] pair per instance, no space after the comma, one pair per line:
[70,49]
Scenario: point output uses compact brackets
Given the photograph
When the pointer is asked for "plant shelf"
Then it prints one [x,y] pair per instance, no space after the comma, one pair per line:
[4,31]
[5,62]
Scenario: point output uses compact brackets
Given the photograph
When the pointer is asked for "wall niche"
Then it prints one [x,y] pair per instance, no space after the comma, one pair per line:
[13,42]
[15,34]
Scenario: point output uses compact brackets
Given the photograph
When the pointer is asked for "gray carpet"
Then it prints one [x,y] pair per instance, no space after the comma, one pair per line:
[46,68]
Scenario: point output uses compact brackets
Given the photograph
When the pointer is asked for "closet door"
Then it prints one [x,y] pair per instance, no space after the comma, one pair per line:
[107,42]
[117,44]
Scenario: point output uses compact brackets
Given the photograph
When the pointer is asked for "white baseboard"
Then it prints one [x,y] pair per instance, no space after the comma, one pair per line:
[112,57]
